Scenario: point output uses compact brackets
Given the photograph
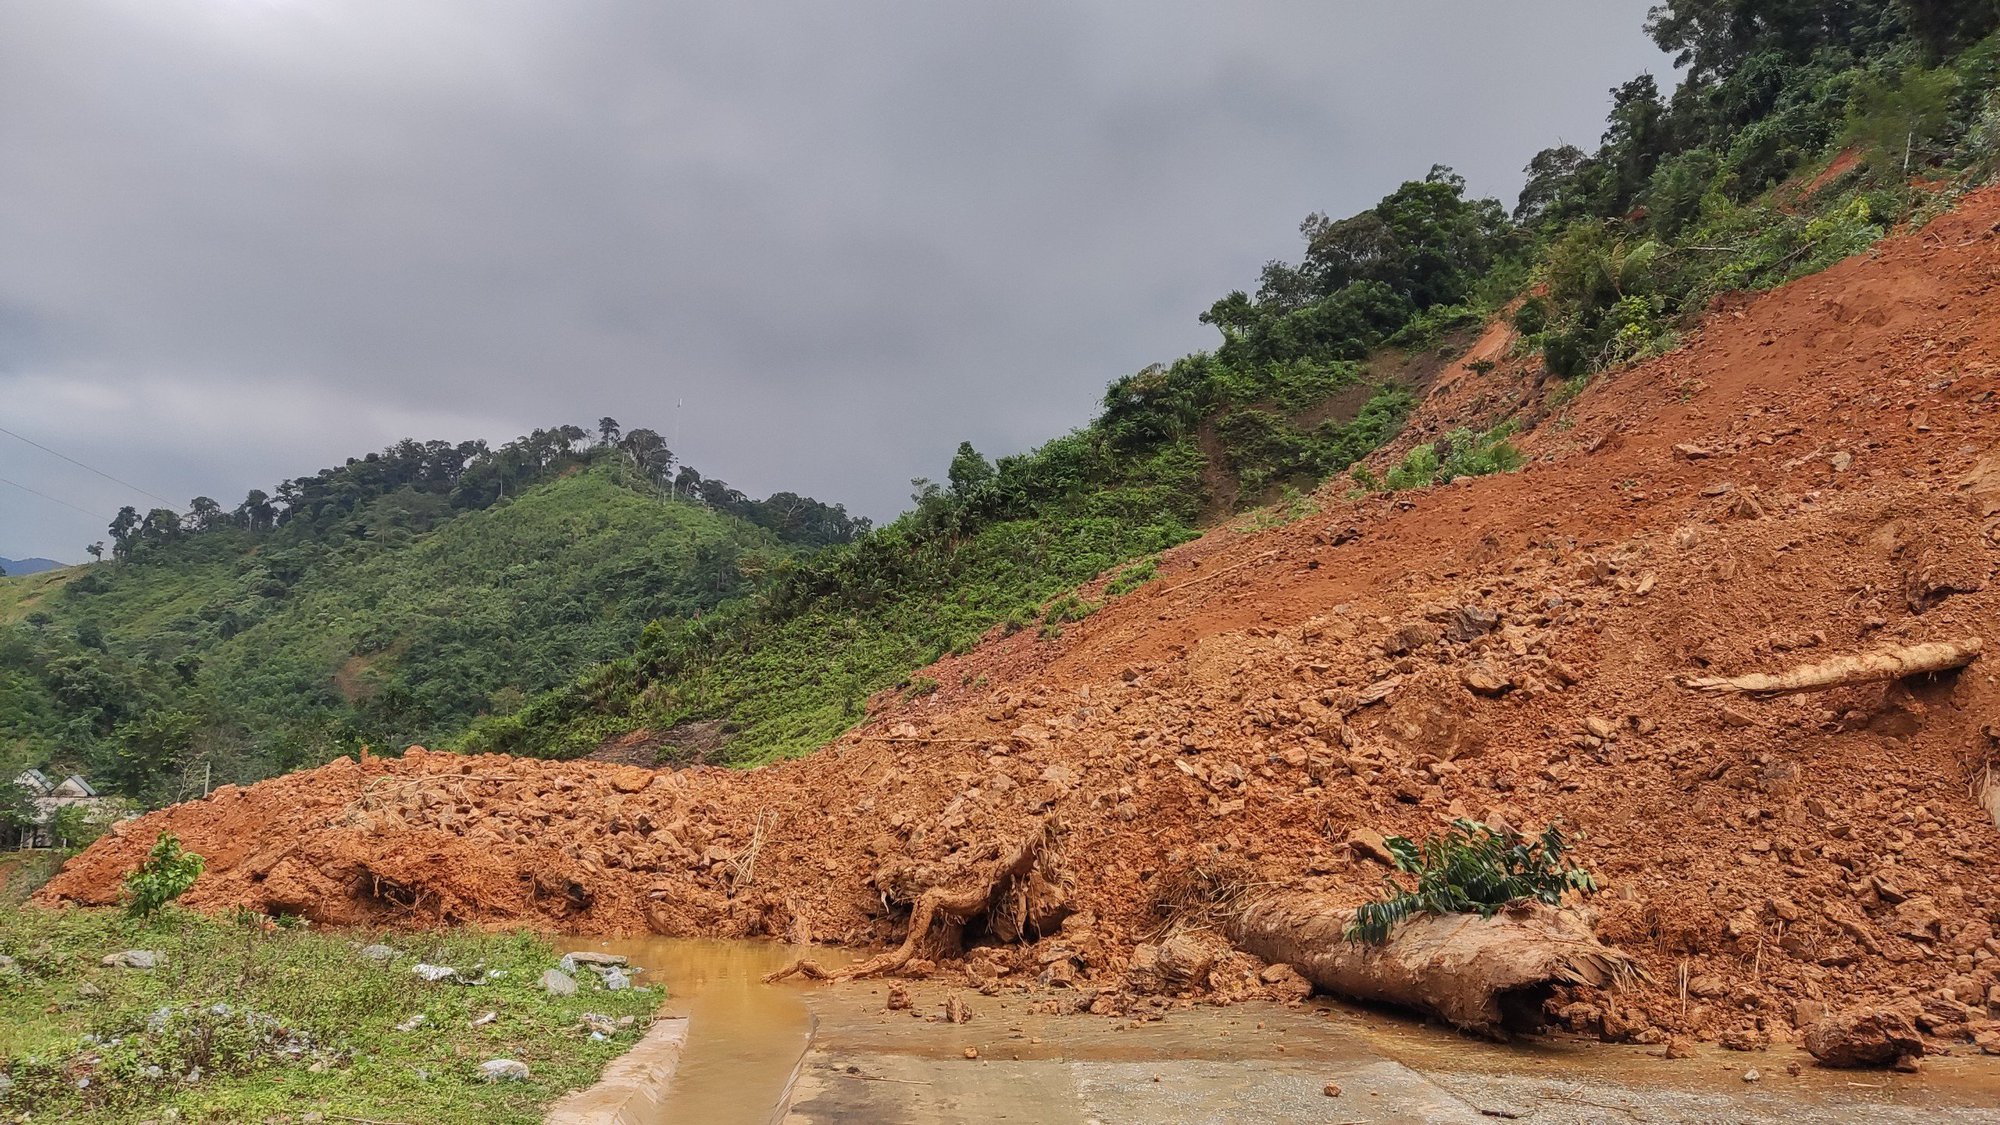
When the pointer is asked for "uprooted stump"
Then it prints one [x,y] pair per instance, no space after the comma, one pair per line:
[1896,663]
[1483,975]
[937,904]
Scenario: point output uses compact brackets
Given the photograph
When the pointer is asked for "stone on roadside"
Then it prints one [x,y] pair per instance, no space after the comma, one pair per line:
[503,1070]
[558,983]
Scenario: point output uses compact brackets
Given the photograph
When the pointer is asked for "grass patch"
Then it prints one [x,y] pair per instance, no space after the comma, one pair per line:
[246,1021]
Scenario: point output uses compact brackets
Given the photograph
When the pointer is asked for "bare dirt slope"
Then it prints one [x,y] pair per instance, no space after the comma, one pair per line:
[1814,475]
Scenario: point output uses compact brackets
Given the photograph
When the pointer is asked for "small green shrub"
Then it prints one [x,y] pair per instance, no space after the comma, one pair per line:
[1470,869]
[167,872]
[1132,577]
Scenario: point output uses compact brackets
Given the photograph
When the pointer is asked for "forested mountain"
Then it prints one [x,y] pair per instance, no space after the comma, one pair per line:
[452,592]
[17,567]
[1800,134]
[393,598]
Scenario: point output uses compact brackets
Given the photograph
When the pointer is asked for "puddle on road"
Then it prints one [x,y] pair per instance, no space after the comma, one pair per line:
[745,1037]
[746,1040]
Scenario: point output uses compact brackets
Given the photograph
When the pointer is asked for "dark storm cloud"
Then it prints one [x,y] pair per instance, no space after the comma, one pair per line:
[245,238]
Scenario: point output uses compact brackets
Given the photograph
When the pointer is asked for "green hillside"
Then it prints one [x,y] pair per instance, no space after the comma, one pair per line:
[1800,134]
[245,651]
[542,597]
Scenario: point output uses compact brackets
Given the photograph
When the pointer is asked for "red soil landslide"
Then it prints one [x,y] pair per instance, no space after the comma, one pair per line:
[1814,476]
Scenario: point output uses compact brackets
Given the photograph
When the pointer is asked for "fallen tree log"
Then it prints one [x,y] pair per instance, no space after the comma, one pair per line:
[1843,671]
[1483,975]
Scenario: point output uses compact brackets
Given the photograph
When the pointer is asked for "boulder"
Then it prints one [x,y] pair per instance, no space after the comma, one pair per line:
[1863,1037]
[1174,965]
[558,983]
[607,960]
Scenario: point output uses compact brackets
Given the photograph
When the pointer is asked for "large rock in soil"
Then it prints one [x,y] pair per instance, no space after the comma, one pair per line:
[1176,964]
[1863,1037]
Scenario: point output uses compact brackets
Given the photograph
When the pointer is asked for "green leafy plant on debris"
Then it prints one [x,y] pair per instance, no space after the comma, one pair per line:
[1471,868]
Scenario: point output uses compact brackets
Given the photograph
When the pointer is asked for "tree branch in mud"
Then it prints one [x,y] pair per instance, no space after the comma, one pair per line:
[959,905]
[1843,671]
[1483,975]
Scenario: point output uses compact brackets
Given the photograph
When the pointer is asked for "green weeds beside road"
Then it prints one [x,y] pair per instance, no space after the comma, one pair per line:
[242,1020]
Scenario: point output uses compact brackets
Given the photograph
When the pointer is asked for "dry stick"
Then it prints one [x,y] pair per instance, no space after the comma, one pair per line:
[1220,573]
[1843,671]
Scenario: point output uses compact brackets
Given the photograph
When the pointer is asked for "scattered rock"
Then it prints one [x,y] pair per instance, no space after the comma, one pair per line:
[134,959]
[608,960]
[972,1052]
[432,972]
[558,983]
[899,999]
[380,954]
[1369,844]
[503,1070]
[411,1024]
[1285,983]
[956,1010]
[1484,679]
[1918,917]
[1331,1089]
[617,980]
[1751,1075]
[1745,1039]
[1863,1037]
[1178,963]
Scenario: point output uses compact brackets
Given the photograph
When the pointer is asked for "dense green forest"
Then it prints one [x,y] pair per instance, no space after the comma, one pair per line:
[570,587]
[391,599]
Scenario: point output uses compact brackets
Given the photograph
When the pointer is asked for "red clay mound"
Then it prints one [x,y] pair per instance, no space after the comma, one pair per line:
[1813,477]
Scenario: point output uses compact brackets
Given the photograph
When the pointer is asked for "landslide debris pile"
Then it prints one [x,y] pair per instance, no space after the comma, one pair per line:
[1813,477]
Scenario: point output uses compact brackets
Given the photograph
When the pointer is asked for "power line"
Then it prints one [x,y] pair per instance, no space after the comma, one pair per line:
[52,499]
[81,465]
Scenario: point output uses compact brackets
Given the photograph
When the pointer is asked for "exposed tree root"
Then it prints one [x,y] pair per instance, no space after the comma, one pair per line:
[1483,975]
[954,906]
[1843,671]
[803,967]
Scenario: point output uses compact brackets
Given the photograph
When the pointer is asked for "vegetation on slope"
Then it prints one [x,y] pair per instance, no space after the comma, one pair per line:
[1799,135]
[1617,250]
[388,601]
[794,664]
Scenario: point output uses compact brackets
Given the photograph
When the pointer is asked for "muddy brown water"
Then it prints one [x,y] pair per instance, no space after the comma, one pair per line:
[745,1037]
[808,1053]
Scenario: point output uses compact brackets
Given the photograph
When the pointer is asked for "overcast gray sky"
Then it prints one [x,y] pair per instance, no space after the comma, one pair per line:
[242,239]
